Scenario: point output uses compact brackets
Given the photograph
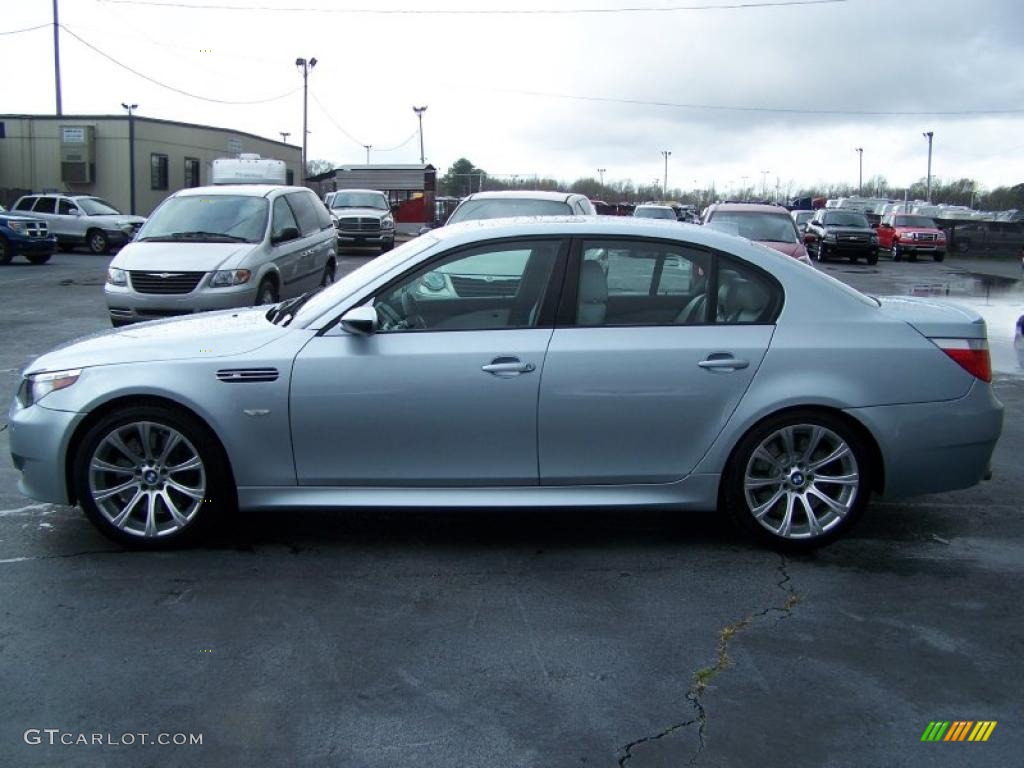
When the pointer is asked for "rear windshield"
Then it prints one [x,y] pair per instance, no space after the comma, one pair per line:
[473,210]
[650,212]
[755,225]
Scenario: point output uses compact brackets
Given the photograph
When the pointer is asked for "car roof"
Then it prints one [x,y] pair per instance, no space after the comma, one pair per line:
[749,208]
[522,194]
[243,190]
[371,191]
[656,205]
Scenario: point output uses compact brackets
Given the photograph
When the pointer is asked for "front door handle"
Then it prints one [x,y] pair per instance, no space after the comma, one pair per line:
[723,362]
[507,367]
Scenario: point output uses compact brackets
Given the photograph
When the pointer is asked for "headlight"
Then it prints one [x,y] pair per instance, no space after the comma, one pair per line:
[830,236]
[17,226]
[874,238]
[387,222]
[117,276]
[36,386]
[127,228]
[230,277]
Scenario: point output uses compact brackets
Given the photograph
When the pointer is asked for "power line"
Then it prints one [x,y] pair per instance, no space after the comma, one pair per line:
[739,108]
[26,29]
[352,138]
[135,72]
[474,11]
[412,136]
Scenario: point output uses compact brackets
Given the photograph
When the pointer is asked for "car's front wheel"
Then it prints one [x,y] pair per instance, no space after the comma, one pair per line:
[798,481]
[897,253]
[151,477]
[6,254]
[37,258]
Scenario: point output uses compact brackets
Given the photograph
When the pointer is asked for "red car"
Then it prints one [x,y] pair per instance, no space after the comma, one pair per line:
[769,225]
[908,234]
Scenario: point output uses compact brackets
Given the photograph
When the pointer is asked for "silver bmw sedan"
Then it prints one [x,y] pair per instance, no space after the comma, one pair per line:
[548,362]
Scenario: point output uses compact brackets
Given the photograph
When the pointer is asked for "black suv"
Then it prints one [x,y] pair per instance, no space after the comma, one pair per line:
[835,232]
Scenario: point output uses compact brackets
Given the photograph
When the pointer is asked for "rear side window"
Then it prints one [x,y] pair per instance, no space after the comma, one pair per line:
[305,213]
[45,205]
[25,204]
[745,295]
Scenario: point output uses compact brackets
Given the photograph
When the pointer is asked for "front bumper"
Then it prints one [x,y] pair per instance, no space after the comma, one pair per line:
[33,245]
[911,246]
[39,440]
[366,238]
[936,447]
[127,305]
[841,247]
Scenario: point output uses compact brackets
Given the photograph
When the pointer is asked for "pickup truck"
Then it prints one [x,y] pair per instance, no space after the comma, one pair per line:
[25,235]
[908,234]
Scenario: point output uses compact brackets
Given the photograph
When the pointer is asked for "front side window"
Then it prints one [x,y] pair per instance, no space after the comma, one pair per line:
[45,205]
[208,218]
[66,207]
[499,285]
[283,219]
[157,171]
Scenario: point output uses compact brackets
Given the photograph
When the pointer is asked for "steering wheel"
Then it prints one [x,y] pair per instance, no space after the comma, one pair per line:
[411,309]
[389,319]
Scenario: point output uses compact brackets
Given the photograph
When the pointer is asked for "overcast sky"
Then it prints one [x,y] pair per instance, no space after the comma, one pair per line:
[496,84]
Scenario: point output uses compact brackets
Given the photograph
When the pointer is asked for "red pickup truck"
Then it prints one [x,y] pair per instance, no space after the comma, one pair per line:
[909,234]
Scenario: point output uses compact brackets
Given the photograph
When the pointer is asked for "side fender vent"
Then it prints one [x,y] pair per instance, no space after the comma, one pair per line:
[242,375]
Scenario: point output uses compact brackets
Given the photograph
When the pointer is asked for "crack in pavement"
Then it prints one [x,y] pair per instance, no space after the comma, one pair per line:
[703,676]
[70,554]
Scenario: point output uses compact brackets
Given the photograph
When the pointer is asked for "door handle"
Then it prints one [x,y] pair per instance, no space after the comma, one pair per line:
[507,367]
[723,363]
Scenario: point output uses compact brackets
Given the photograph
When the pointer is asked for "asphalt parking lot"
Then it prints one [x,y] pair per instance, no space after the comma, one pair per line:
[529,638]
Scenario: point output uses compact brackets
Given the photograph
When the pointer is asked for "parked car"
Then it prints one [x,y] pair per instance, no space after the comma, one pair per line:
[25,235]
[701,371]
[837,232]
[363,218]
[769,225]
[498,205]
[908,234]
[223,246]
[652,211]
[81,220]
[800,218]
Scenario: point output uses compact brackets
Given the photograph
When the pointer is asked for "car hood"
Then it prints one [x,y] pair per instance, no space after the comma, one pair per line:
[838,230]
[935,319]
[18,217]
[183,256]
[790,249]
[209,334]
[346,212]
[918,230]
[115,222]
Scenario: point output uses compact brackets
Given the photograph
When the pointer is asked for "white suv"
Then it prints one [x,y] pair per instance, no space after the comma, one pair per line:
[82,219]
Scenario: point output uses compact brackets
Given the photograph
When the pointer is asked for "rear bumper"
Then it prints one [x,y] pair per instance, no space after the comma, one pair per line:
[935,447]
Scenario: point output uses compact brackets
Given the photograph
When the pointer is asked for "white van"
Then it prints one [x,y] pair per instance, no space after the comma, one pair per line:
[217,247]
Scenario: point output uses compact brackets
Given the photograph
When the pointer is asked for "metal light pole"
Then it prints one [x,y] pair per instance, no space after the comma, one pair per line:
[368,147]
[131,153]
[860,171]
[305,67]
[56,57]
[601,172]
[928,135]
[764,184]
[666,153]
[284,136]
[419,113]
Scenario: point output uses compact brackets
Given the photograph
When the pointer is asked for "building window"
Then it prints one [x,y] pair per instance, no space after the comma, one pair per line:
[289,177]
[157,171]
[191,172]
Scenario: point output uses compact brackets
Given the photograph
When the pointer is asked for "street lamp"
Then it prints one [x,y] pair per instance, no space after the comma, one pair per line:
[764,184]
[131,152]
[600,172]
[368,147]
[284,136]
[305,67]
[860,171]
[928,135]
[419,113]
[666,153]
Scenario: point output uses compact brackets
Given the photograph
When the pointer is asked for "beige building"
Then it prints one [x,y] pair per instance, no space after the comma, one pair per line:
[89,155]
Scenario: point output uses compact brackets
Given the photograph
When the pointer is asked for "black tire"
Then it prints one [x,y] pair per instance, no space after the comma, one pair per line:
[855,496]
[387,246]
[939,256]
[66,247]
[873,257]
[897,252]
[213,477]
[329,272]
[97,241]
[5,252]
[38,258]
[267,293]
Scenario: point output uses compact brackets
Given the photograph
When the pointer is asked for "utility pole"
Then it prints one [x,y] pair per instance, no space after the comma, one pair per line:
[666,153]
[928,135]
[131,152]
[305,68]
[56,57]
[419,113]
[284,136]
[764,184]
[860,171]
[368,147]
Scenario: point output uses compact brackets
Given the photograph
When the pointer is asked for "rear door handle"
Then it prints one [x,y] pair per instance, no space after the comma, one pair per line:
[721,362]
[507,367]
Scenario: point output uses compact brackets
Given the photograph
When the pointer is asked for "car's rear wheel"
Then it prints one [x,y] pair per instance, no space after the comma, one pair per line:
[5,252]
[151,477]
[798,481]
[98,242]
[329,272]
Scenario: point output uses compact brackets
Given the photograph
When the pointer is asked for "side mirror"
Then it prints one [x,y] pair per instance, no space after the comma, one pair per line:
[75,212]
[361,321]
[809,237]
[423,230]
[288,233]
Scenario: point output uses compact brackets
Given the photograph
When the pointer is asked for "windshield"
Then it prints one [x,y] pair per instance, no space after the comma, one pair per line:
[93,206]
[914,221]
[353,281]
[213,218]
[359,200]
[846,219]
[499,208]
[650,212]
[762,227]
[803,216]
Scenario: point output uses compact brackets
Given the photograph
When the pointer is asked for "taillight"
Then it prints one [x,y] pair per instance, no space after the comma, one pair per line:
[969,354]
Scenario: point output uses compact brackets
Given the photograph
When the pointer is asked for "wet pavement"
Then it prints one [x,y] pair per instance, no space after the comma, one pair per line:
[528,638]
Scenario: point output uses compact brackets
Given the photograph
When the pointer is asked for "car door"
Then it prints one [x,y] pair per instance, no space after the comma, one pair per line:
[286,246]
[649,359]
[67,219]
[46,209]
[445,392]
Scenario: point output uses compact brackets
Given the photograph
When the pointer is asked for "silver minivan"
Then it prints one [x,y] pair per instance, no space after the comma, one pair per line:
[224,246]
